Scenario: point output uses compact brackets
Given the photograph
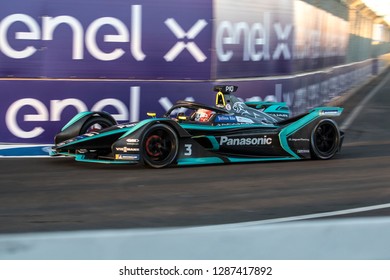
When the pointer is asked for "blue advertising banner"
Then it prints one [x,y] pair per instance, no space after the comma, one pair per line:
[128,57]
[33,111]
[320,38]
[106,39]
[167,40]
[253,38]
[269,38]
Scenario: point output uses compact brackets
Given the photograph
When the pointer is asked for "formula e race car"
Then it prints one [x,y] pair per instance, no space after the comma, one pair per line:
[191,133]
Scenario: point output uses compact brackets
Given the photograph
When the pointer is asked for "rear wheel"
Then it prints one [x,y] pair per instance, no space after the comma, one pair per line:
[325,139]
[159,146]
[95,124]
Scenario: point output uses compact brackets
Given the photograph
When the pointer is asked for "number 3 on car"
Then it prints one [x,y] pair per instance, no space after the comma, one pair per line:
[188,149]
[190,133]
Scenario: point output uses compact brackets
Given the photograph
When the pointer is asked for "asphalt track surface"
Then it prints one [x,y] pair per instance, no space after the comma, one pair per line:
[59,194]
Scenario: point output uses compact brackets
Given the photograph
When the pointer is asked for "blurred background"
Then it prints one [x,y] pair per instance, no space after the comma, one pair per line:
[130,57]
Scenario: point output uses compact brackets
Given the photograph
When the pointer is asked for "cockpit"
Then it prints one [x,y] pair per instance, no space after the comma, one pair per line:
[228,109]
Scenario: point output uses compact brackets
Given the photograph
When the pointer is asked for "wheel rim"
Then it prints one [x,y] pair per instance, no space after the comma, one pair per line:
[160,146]
[325,138]
[156,147]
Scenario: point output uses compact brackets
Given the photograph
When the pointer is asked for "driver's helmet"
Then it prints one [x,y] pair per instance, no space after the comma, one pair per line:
[203,115]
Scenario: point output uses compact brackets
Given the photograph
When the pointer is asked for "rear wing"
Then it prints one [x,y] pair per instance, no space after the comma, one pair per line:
[278,109]
[315,113]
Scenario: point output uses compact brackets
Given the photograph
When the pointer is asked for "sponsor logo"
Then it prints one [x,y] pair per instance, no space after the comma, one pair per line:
[126,125]
[244,120]
[329,113]
[298,139]
[241,108]
[256,44]
[245,141]
[127,149]
[180,34]
[88,36]
[279,115]
[127,157]
[50,24]
[303,151]
[132,142]
[42,113]
[222,118]
[226,124]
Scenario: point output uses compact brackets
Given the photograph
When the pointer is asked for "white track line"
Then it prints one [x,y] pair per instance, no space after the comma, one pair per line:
[351,117]
[314,216]
[32,156]
[8,146]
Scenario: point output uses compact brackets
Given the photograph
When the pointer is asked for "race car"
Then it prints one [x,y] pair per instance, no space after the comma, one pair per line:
[191,133]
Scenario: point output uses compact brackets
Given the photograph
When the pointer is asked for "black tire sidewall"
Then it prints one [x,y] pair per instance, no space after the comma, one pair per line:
[315,152]
[172,154]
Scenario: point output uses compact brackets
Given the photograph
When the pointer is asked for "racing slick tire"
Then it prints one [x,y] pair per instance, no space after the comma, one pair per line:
[159,146]
[325,139]
[95,124]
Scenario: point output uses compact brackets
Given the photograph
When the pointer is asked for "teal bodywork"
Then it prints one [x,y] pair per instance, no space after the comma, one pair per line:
[272,108]
[75,119]
[205,139]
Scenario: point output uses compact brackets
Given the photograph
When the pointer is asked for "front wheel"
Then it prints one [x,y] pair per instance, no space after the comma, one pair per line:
[159,146]
[325,139]
[95,124]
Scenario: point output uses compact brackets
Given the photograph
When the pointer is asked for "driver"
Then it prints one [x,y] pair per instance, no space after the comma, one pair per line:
[203,115]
